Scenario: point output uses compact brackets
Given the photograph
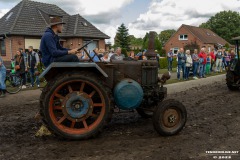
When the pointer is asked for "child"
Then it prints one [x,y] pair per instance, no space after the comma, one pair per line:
[208,65]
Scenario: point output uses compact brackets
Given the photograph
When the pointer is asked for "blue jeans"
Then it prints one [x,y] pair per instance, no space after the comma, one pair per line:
[202,69]
[32,71]
[2,78]
[183,68]
[195,68]
[187,72]
[169,65]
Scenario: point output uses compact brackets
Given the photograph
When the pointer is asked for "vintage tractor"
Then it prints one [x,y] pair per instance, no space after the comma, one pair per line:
[233,71]
[79,98]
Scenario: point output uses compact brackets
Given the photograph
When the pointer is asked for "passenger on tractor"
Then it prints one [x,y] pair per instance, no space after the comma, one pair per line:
[52,50]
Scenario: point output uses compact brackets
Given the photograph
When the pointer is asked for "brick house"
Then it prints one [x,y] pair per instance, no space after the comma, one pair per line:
[25,24]
[190,34]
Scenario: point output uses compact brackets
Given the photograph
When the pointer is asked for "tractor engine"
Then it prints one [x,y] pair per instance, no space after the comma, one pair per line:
[136,83]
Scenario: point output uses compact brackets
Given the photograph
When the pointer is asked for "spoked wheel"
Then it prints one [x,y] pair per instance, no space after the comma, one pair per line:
[77,107]
[13,84]
[169,117]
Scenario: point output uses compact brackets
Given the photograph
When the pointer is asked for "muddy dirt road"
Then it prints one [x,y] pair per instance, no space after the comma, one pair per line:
[213,125]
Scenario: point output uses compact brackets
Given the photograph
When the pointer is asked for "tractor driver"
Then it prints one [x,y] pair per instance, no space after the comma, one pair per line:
[50,47]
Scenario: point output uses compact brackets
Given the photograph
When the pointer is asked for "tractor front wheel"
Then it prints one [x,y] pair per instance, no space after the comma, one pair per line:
[169,117]
[76,106]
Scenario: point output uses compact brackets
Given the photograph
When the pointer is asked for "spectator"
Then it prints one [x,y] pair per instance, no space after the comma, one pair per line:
[105,57]
[208,64]
[181,64]
[189,63]
[80,55]
[100,53]
[219,57]
[33,61]
[94,55]
[118,55]
[212,59]
[224,58]
[111,53]
[22,69]
[227,59]
[195,59]
[170,59]
[83,56]
[2,78]
[202,63]
[51,49]
[131,55]
[23,53]
[141,55]
[25,57]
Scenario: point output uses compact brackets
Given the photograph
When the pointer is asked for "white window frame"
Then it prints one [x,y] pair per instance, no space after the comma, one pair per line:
[184,37]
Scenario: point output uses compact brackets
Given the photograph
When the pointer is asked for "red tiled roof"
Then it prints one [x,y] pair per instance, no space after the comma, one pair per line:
[206,35]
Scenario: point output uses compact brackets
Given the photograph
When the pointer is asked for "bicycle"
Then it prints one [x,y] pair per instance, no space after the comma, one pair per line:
[13,82]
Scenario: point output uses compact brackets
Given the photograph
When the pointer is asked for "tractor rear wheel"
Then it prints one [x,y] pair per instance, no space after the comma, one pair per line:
[76,106]
[230,78]
[169,117]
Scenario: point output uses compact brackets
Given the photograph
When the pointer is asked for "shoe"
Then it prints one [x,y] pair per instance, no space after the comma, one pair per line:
[24,87]
[179,79]
[38,86]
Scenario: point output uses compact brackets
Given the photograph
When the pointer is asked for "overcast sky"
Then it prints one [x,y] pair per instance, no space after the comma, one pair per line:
[140,16]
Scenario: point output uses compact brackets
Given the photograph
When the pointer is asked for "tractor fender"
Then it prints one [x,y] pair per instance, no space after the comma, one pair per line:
[56,68]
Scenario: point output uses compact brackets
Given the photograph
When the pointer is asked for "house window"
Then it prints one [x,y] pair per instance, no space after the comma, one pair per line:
[2,48]
[183,37]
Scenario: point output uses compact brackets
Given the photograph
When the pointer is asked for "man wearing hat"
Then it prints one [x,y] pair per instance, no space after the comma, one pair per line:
[50,47]
[170,59]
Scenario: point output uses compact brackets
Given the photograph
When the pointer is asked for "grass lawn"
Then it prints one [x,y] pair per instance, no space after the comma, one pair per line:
[161,71]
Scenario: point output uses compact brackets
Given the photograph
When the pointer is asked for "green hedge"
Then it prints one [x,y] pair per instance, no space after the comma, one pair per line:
[164,63]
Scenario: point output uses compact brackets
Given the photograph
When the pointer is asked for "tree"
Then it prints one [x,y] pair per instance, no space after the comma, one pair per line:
[135,43]
[226,24]
[165,35]
[122,37]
